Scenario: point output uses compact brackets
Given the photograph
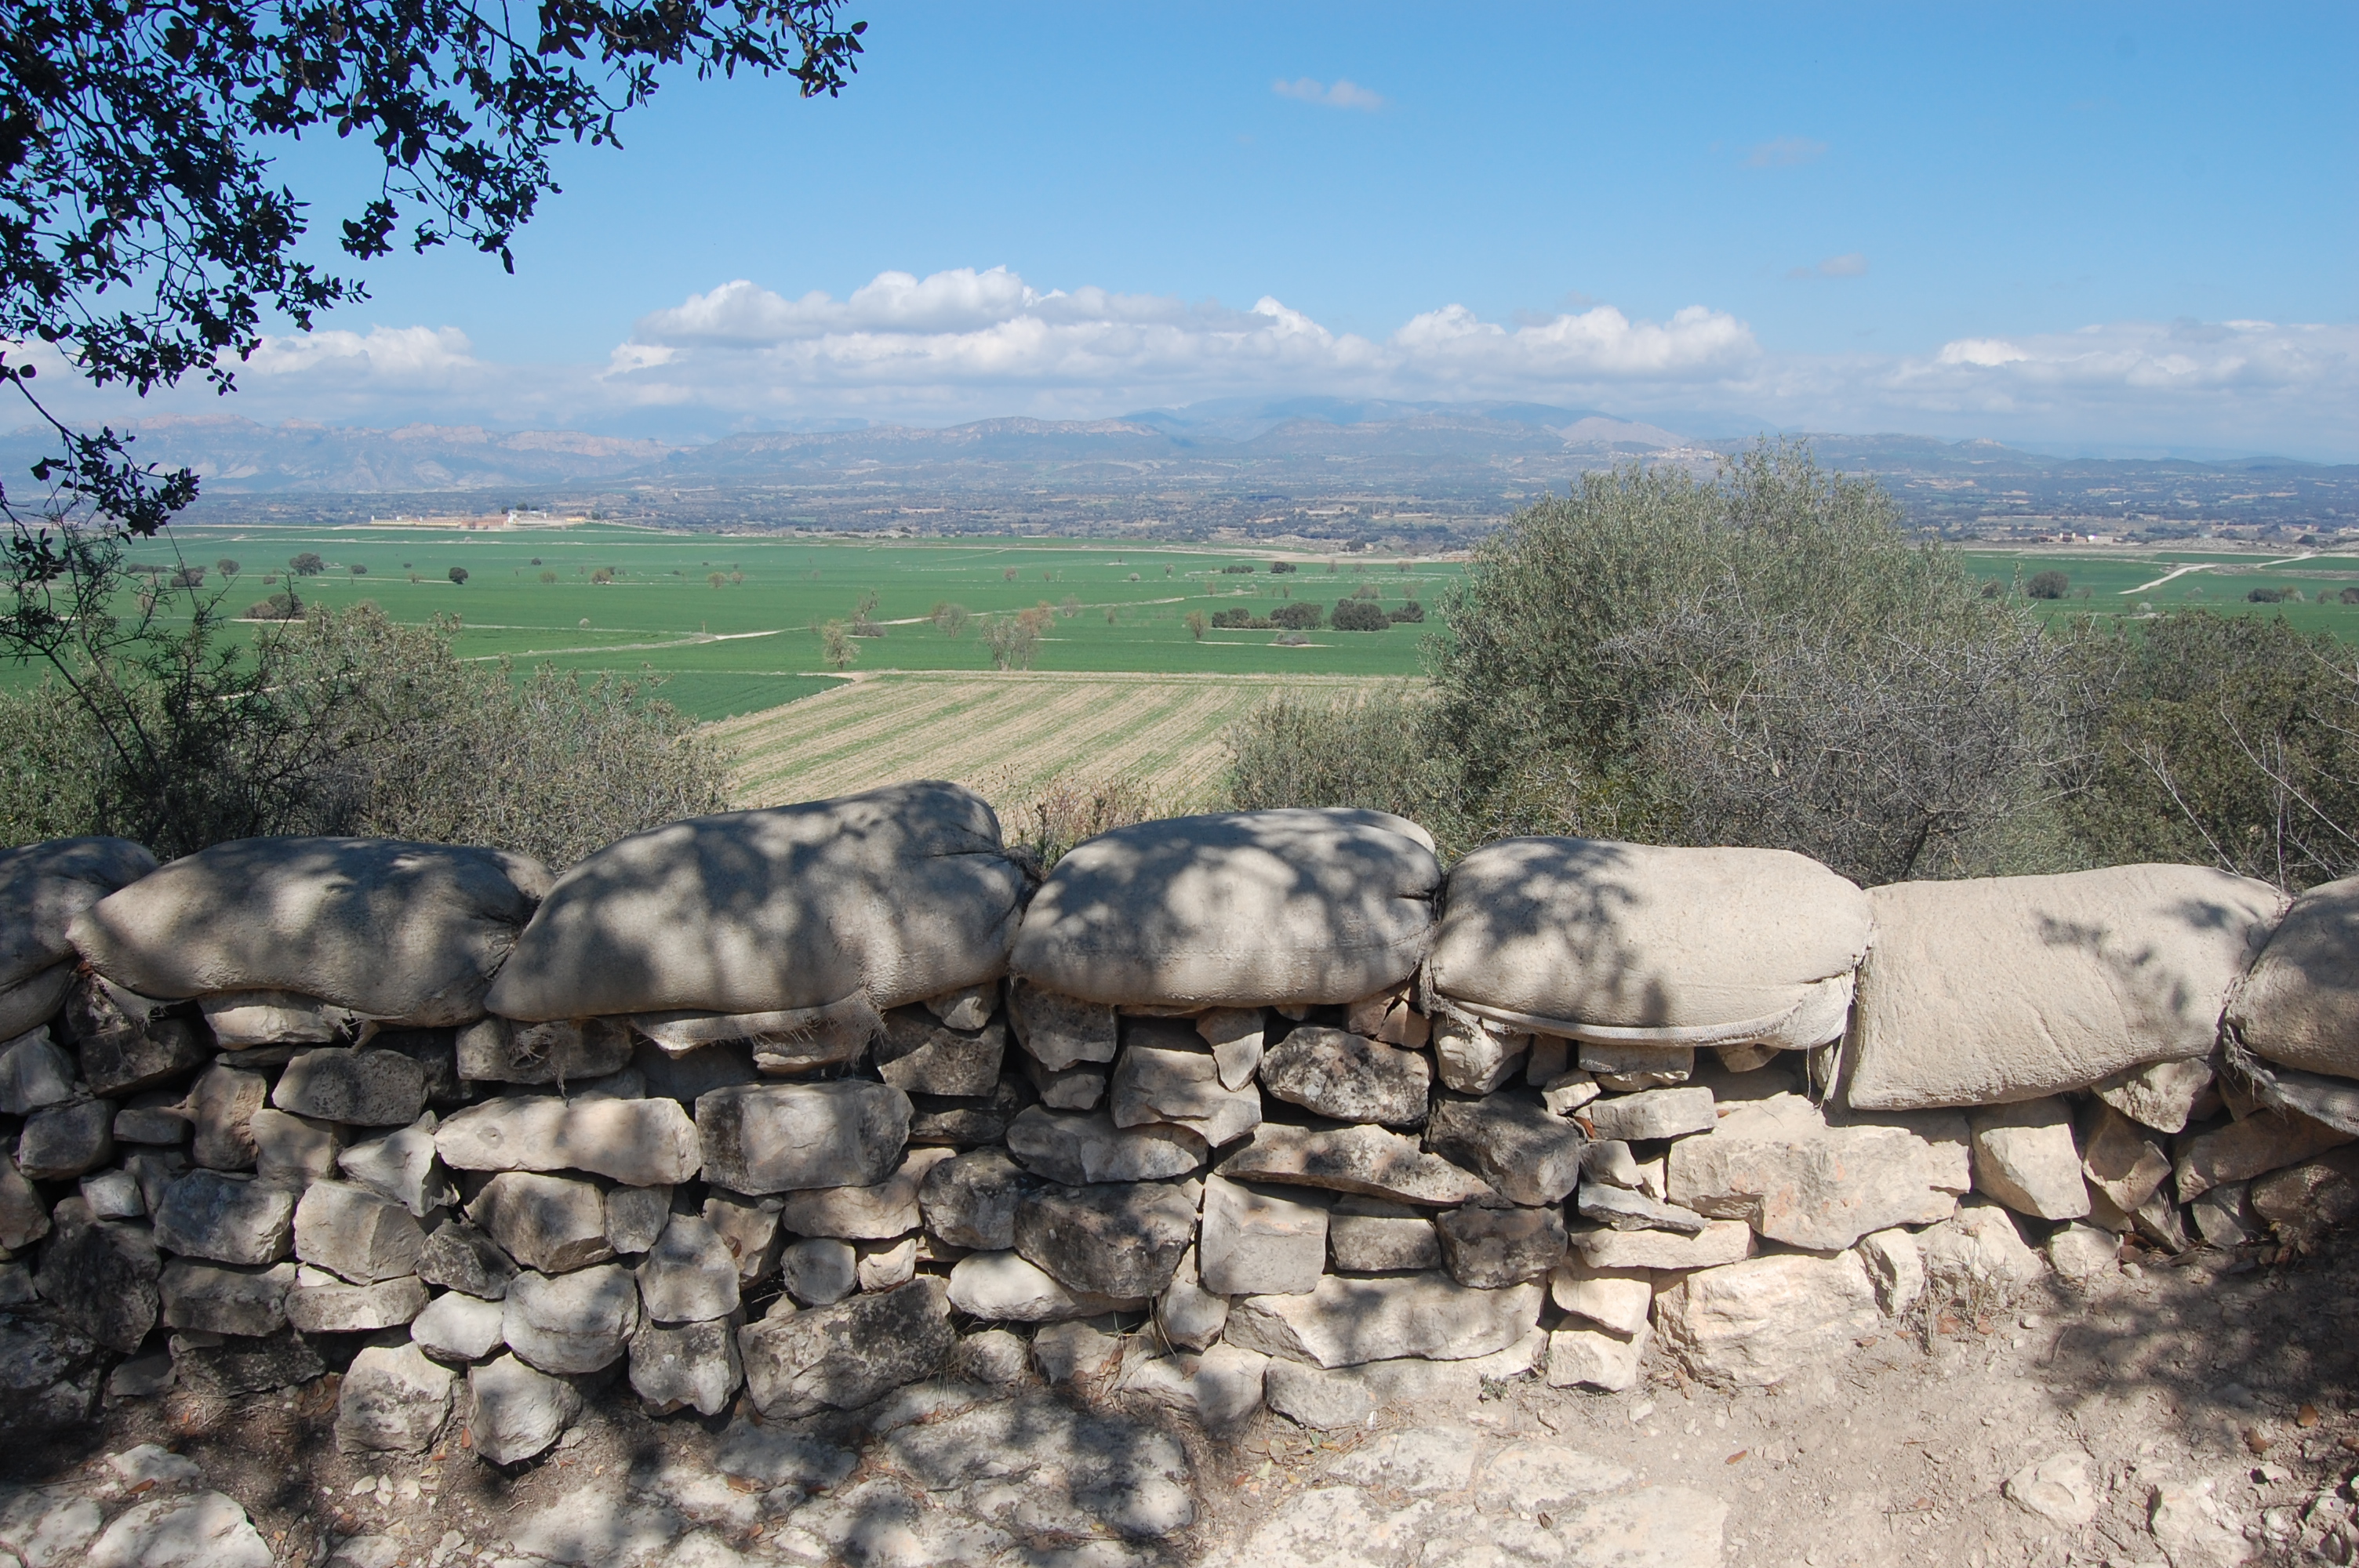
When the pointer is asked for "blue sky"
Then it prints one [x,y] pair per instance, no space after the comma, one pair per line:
[2112,226]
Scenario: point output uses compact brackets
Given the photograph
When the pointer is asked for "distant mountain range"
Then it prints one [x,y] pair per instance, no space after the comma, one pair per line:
[1320,467]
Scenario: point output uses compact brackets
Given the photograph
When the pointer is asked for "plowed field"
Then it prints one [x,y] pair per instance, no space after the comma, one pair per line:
[1002,734]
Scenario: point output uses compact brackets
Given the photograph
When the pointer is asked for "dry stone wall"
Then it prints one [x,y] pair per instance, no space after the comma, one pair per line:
[800,1106]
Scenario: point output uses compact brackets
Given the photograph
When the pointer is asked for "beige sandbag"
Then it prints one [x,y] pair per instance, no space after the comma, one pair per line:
[2300,1006]
[1242,908]
[407,934]
[2004,989]
[904,891]
[44,886]
[1638,944]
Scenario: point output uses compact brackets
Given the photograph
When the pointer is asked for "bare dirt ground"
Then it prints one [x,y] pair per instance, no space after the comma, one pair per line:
[2227,1385]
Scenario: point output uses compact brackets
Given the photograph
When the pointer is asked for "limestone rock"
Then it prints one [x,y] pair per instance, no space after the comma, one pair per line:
[688,1364]
[204,1530]
[639,1142]
[240,1020]
[1980,1245]
[1970,996]
[550,1223]
[393,1401]
[921,1056]
[820,1270]
[226,1218]
[400,1168]
[1721,1242]
[2057,1490]
[1368,1161]
[1475,1055]
[967,1008]
[1895,1268]
[1155,1084]
[33,1074]
[232,1367]
[1756,1323]
[1076,1356]
[1189,1315]
[215,1299]
[2301,1201]
[845,1356]
[689,1275]
[370,1089]
[320,1303]
[457,1327]
[2160,1094]
[965,1123]
[1615,1300]
[1582,1357]
[1527,1155]
[65,1141]
[516,1411]
[1492,1246]
[222,1106]
[2082,1253]
[2024,1157]
[562,1051]
[112,1195]
[1058,1031]
[2223,1216]
[1345,1322]
[1630,1065]
[23,1217]
[1348,1078]
[1652,1113]
[571,1324]
[1257,1244]
[970,1200]
[153,1120]
[123,1041]
[1622,1208]
[1116,1239]
[101,1278]
[778,1138]
[1003,1287]
[876,1213]
[2263,1141]
[1079,1088]
[2119,1159]
[1800,1176]
[293,1150]
[1235,1035]
[636,1217]
[748,1226]
[1078,1150]
[1369,1236]
[458,1257]
[359,1234]
[885,1264]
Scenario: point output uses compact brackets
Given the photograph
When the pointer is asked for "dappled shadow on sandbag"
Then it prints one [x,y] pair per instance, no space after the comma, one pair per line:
[904,890]
[1242,908]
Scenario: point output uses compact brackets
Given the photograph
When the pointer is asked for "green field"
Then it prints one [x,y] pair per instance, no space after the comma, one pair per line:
[752,643]
[2131,582]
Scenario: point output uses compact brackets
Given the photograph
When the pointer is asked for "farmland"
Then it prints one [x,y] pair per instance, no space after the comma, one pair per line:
[605,597]
[2132,582]
[1006,736]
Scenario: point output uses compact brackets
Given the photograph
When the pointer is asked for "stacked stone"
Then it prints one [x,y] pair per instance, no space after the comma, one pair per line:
[785,1103]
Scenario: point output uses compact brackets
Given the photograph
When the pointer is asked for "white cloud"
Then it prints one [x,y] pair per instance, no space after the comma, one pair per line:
[1341,95]
[1850,264]
[406,356]
[1785,151]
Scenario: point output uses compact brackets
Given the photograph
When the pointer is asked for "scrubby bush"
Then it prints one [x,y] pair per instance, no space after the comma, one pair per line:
[459,575]
[548,576]
[2349,596]
[1230,569]
[1299,615]
[189,577]
[1412,613]
[1359,615]
[226,566]
[306,564]
[282,605]
[2268,596]
[357,569]
[950,620]
[2048,584]
[1279,568]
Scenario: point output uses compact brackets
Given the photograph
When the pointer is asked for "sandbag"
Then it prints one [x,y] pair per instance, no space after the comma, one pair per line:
[44,886]
[1244,909]
[1632,943]
[904,891]
[2004,989]
[2300,1005]
[406,934]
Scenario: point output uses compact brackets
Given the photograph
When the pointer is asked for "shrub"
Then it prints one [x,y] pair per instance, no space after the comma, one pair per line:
[1290,640]
[1051,818]
[835,644]
[357,569]
[2267,596]
[226,566]
[548,576]
[1195,624]
[1280,567]
[536,561]
[1371,749]
[1070,606]
[950,620]
[189,577]
[459,574]
[282,606]
[2048,584]
[306,564]
[1366,590]
[1359,615]
[1013,641]
[1230,569]
[602,574]
[716,579]
[1298,615]
[1412,613]
[861,626]
[2349,596]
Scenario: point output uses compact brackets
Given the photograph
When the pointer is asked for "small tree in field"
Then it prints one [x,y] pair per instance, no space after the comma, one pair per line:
[835,644]
[2048,584]
[1196,623]
[306,564]
[459,574]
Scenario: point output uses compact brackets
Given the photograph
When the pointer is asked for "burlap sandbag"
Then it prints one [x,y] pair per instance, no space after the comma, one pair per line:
[904,891]
[44,886]
[2006,988]
[2300,1005]
[407,933]
[1239,909]
[1631,943]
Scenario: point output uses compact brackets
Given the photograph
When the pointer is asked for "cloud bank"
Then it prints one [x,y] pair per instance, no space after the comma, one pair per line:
[968,344]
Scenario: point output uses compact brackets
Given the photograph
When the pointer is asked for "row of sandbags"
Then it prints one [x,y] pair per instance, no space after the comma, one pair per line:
[795,927]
